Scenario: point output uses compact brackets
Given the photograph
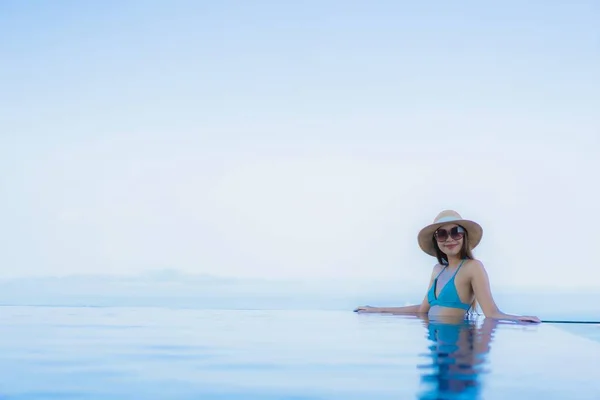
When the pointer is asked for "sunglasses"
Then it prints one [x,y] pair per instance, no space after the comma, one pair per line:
[456,233]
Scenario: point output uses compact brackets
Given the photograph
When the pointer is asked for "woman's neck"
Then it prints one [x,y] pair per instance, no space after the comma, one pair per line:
[453,262]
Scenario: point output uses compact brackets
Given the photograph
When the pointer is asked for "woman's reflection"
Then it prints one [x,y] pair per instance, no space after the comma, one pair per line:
[457,357]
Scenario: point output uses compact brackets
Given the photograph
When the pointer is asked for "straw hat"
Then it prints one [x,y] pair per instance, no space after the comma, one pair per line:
[474,230]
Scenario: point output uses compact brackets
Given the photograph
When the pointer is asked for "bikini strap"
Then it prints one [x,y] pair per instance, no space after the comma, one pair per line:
[459,265]
[445,266]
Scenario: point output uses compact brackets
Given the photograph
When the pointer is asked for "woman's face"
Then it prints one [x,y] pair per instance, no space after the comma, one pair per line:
[450,239]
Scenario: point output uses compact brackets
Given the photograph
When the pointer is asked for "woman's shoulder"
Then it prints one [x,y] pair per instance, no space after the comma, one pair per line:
[473,265]
[437,268]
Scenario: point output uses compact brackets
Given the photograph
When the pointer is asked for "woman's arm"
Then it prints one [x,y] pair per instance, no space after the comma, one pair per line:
[483,294]
[392,310]
[422,308]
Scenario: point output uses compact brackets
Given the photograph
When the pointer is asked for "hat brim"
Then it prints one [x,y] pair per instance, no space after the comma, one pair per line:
[425,236]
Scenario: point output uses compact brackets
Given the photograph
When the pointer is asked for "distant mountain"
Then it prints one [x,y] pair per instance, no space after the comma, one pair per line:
[174,288]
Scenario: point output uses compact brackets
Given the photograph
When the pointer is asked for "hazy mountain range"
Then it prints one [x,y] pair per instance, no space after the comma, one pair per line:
[174,288]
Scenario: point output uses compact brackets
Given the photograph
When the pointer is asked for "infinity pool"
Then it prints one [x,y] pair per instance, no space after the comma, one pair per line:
[155,353]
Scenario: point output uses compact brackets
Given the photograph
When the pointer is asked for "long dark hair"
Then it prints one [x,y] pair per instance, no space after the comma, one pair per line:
[465,253]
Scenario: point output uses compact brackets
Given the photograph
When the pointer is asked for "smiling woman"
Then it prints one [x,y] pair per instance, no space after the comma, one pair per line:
[458,281]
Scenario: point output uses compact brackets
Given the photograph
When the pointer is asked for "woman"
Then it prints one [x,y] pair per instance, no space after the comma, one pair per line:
[458,281]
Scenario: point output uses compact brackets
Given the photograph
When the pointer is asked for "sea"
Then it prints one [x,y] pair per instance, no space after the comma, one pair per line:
[184,353]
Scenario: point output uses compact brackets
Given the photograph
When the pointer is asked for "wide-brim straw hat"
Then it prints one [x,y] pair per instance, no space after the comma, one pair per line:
[425,237]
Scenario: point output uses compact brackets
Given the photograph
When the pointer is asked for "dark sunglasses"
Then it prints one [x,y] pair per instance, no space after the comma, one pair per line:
[456,233]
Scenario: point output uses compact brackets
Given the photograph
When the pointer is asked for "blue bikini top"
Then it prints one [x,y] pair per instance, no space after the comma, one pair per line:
[448,297]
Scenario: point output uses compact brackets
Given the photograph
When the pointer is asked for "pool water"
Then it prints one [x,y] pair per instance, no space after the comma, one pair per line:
[159,353]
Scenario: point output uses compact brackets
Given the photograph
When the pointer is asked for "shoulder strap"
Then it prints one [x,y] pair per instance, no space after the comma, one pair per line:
[459,265]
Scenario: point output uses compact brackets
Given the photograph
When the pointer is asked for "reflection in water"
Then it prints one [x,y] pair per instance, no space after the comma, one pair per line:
[456,359]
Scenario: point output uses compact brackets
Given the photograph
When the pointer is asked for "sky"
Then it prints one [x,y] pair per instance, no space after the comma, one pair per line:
[307,140]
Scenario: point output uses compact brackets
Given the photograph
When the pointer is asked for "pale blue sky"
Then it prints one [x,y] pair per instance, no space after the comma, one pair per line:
[308,140]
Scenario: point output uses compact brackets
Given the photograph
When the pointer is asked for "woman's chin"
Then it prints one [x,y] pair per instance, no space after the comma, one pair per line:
[453,252]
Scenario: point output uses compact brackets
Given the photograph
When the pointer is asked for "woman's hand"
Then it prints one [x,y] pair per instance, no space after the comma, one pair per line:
[366,309]
[523,318]
[515,318]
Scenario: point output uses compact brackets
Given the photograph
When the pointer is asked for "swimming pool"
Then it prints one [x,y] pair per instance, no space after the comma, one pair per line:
[159,353]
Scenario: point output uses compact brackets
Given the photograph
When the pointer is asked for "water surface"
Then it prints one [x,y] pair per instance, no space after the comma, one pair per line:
[160,353]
